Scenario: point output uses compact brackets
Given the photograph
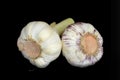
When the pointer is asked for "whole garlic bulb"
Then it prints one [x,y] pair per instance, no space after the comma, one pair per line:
[39,43]
[82,44]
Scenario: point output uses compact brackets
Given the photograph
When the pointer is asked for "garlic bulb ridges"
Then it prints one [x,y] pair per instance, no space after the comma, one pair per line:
[39,43]
[82,44]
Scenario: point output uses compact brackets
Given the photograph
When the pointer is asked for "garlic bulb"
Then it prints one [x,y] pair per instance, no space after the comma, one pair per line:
[40,43]
[82,44]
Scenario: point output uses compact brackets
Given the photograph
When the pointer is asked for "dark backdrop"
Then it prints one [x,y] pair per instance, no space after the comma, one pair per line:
[96,12]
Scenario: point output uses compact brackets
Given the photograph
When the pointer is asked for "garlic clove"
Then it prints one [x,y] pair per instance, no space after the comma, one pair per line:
[46,36]
[82,44]
[51,49]
[39,43]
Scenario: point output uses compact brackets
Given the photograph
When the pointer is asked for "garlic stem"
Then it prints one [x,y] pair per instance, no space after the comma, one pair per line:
[53,24]
[60,27]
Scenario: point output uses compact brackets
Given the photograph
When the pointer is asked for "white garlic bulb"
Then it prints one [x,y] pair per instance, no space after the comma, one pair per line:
[39,43]
[82,44]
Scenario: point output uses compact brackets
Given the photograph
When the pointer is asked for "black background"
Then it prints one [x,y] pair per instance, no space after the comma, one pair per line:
[97,12]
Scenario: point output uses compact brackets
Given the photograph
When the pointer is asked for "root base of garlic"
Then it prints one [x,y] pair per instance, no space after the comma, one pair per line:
[89,44]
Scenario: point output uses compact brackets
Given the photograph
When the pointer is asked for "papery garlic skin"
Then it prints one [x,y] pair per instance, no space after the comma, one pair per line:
[72,50]
[48,40]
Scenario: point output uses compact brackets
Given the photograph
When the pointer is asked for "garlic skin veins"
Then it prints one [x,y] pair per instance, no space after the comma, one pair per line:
[71,41]
[45,37]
